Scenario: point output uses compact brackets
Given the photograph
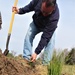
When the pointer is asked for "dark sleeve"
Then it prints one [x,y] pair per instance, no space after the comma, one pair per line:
[46,36]
[0,19]
[27,8]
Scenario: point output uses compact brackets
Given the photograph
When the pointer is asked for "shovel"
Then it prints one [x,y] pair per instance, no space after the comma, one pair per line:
[10,29]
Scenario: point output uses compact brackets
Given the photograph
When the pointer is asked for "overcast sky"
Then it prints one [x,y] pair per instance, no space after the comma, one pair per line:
[65,33]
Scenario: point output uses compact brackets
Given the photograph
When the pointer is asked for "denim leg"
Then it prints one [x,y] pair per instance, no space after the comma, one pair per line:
[28,42]
[48,51]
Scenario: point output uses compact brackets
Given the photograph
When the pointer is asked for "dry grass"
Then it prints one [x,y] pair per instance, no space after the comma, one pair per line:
[42,69]
[68,70]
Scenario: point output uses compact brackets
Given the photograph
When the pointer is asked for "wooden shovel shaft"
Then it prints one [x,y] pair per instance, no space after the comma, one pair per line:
[12,18]
[10,30]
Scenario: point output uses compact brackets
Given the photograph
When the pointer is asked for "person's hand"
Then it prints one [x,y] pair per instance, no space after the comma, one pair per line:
[15,9]
[33,57]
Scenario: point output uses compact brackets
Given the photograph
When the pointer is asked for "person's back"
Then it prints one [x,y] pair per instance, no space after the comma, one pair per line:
[0,20]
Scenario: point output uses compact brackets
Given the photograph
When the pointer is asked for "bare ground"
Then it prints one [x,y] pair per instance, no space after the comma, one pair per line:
[17,66]
[12,66]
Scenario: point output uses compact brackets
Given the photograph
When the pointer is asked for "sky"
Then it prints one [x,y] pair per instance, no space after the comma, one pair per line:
[65,36]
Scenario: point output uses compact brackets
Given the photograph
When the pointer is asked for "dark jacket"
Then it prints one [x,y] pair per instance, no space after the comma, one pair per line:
[0,20]
[46,24]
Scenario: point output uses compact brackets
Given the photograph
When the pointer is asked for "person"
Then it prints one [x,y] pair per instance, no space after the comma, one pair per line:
[45,20]
[0,21]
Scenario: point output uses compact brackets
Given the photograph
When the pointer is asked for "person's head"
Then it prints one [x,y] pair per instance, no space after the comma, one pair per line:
[47,7]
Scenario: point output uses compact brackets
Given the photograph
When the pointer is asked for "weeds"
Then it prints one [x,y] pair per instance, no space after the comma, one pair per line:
[55,66]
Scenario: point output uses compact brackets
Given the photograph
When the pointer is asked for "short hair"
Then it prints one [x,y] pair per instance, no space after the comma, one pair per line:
[49,2]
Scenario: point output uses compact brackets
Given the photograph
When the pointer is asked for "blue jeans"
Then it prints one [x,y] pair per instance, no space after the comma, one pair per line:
[28,44]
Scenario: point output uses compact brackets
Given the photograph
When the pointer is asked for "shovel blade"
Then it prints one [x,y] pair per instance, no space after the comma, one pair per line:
[6,52]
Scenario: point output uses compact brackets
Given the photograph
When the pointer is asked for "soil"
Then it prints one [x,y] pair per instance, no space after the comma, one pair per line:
[17,66]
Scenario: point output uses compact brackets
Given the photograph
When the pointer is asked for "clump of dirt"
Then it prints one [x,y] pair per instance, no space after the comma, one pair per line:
[12,66]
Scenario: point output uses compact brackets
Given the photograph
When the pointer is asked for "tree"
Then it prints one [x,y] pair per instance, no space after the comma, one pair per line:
[70,59]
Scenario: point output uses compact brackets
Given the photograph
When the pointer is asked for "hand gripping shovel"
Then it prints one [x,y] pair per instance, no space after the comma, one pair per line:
[10,29]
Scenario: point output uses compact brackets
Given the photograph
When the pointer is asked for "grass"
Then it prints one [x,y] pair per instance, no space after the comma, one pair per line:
[68,70]
[56,64]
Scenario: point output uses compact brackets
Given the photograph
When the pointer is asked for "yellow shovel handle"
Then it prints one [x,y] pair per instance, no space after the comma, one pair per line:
[12,18]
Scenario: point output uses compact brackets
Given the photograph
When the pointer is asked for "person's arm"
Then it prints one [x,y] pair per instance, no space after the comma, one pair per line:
[0,20]
[48,31]
[28,8]
[46,36]
[25,9]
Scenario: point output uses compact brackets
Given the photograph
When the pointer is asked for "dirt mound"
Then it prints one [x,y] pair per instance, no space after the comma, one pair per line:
[13,66]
